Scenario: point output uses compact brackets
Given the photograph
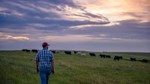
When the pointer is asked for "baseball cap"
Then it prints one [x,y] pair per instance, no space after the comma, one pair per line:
[45,44]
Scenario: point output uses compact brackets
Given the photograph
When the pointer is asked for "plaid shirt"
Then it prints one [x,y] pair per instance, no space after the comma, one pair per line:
[44,57]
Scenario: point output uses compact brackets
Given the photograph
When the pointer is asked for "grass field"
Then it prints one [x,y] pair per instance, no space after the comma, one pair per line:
[17,67]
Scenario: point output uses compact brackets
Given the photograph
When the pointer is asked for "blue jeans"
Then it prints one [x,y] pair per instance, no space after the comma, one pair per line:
[44,75]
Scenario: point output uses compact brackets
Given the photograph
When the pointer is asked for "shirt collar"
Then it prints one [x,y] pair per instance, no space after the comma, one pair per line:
[44,48]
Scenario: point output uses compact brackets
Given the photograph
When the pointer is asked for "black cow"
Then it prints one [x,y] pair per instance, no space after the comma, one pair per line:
[102,56]
[68,52]
[53,51]
[118,58]
[107,56]
[92,54]
[144,60]
[25,50]
[132,59]
[34,50]
[75,52]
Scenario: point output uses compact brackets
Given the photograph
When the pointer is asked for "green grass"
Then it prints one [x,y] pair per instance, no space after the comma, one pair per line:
[17,67]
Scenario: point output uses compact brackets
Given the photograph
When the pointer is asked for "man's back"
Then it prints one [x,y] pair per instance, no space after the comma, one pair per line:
[44,57]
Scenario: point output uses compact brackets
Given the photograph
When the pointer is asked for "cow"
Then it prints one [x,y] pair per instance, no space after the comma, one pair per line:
[104,56]
[68,52]
[132,59]
[25,50]
[144,60]
[107,56]
[92,54]
[81,53]
[75,52]
[118,58]
[53,51]
[34,50]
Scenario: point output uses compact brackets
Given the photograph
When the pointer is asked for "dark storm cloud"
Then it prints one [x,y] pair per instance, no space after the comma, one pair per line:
[64,2]
[135,24]
[96,16]
[19,14]
[127,29]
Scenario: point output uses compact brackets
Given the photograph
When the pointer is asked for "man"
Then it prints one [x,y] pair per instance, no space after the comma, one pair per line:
[44,63]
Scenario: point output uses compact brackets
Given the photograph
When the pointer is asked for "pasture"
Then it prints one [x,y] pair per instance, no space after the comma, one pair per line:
[17,67]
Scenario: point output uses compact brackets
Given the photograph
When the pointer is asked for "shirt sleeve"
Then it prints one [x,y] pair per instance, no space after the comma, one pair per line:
[37,57]
[52,56]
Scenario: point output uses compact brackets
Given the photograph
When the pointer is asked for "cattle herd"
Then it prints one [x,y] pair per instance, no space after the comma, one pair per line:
[81,53]
[33,50]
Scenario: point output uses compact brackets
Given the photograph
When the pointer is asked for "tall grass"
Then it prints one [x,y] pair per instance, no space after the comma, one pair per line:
[18,67]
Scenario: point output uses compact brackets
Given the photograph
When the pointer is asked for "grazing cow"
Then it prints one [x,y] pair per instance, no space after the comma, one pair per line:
[34,50]
[25,50]
[75,52]
[132,59]
[107,56]
[53,51]
[68,52]
[81,53]
[118,58]
[144,60]
[92,54]
[102,56]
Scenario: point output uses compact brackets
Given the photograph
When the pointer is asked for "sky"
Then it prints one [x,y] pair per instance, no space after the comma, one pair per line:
[88,25]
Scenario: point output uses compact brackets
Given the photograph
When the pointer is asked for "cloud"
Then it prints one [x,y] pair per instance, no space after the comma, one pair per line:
[21,14]
[70,3]
[133,9]
[35,25]
[127,30]
[101,38]
[83,26]
[4,36]
[141,16]
[65,38]
[76,21]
